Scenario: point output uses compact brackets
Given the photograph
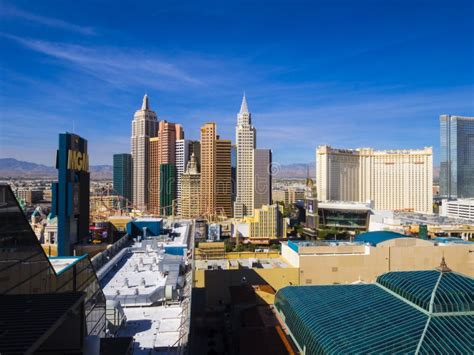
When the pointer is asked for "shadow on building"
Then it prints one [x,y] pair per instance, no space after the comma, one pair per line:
[233,314]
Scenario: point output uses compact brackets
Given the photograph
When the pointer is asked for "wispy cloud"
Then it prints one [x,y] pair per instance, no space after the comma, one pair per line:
[391,120]
[120,67]
[10,11]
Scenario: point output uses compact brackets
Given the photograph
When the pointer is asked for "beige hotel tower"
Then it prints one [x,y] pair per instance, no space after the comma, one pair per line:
[144,127]
[216,178]
[245,137]
[392,179]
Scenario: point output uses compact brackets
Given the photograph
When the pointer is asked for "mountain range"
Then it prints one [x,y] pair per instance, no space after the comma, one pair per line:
[13,168]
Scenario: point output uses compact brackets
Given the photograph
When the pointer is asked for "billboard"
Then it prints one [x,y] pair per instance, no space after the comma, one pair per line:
[214,232]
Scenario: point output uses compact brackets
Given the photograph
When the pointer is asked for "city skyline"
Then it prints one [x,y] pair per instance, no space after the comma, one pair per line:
[385,86]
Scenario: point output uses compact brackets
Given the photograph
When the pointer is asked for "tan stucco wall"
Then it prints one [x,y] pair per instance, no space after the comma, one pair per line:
[217,282]
[344,269]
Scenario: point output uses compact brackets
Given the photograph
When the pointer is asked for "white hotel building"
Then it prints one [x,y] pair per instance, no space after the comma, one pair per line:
[392,179]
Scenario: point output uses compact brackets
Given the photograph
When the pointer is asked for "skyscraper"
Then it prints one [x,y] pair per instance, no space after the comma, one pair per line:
[144,127]
[223,178]
[245,137]
[263,177]
[154,176]
[216,185]
[393,179]
[456,178]
[162,189]
[208,168]
[233,166]
[190,190]
[182,157]
[195,148]
[122,175]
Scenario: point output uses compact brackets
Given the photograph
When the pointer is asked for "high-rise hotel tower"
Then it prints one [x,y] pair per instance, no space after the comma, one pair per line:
[392,179]
[245,137]
[162,168]
[456,176]
[144,127]
[216,184]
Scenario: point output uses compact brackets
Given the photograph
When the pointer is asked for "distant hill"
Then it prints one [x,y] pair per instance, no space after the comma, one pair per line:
[296,170]
[10,167]
[13,168]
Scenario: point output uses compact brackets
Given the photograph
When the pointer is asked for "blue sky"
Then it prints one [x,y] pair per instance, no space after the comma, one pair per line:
[346,73]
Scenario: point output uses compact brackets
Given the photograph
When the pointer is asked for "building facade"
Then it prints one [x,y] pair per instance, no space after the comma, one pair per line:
[167,189]
[463,208]
[223,188]
[182,157]
[144,127]
[288,196]
[122,175]
[216,183]
[162,190]
[245,138]
[266,224]
[26,270]
[195,148]
[208,168]
[154,176]
[456,176]
[29,196]
[262,177]
[393,180]
[190,190]
[234,172]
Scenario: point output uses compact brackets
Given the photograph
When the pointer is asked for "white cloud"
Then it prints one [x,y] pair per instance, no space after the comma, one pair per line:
[11,11]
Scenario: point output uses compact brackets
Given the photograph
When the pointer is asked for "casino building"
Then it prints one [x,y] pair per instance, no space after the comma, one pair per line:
[411,312]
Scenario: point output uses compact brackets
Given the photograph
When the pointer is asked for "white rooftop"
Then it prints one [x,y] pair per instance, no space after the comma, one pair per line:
[141,276]
[138,278]
[154,329]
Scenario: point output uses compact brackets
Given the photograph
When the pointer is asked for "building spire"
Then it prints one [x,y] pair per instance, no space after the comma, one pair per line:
[145,104]
[443,267]
[243,107]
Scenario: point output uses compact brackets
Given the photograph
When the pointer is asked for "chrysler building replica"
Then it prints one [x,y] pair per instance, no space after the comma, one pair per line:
[245,137]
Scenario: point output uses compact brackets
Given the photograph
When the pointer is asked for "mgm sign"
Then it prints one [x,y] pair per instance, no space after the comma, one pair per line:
[71,192]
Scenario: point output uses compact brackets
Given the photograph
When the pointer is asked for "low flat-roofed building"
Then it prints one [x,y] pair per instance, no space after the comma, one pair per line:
[463,208]
[266,224]
[372,254]
[30,196]
[240,291]
[349,216]
[288,196]
[409,223]
[216,277]
[413,312]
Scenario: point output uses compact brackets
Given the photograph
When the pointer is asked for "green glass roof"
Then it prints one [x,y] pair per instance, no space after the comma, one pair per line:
[374,319]
[452,292]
